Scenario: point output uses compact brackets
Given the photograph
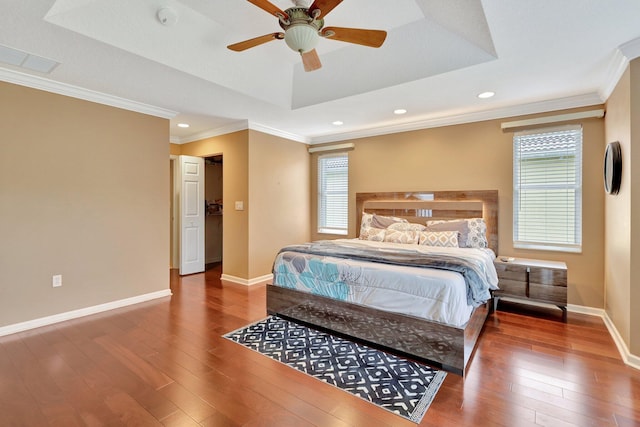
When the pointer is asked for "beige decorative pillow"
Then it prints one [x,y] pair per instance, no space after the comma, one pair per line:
[439,238]
[460,226]
[406,226]
[409,237]
[379,221]
[365,224]
[376,221]
[373,234]
[477,235]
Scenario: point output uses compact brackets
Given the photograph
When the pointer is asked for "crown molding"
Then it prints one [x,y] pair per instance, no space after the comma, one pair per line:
[47,85]
[276,132]
[617,67]
[585,100]
[625,53]
[631,49]
[222,130]
[234,127]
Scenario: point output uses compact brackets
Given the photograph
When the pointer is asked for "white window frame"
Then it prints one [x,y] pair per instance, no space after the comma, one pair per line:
[564,141]
[338,221]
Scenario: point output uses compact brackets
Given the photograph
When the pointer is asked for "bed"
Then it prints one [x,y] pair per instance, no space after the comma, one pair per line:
[413,318]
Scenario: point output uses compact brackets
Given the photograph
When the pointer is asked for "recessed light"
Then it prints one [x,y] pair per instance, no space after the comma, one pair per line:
[399,111]
[337,123]
[485,95]
[183,125]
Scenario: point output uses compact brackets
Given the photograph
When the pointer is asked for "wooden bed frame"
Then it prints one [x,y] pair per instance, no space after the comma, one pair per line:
[437,344]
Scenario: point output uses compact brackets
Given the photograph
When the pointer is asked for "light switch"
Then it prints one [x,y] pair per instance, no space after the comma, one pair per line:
[239,205]
[56,280]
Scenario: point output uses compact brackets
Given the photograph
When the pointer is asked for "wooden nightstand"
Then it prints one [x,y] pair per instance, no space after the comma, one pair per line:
[532,280]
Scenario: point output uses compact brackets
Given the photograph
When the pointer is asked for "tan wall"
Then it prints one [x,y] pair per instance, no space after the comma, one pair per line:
[617,254]
[622,243]
[270,176]
[175,149]
[279,198]
[83,194]
[478,156]
[634,321]
[234,148]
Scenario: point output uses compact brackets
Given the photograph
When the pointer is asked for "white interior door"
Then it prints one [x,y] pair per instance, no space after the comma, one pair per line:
[191,202]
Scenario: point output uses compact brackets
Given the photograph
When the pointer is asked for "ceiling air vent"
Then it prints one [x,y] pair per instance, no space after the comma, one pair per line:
[26,60]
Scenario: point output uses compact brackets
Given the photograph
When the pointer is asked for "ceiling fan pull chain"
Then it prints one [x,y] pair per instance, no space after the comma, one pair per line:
[314,14]
[284,20]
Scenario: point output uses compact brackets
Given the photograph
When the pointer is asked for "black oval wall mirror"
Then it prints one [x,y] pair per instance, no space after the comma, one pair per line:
[612,168]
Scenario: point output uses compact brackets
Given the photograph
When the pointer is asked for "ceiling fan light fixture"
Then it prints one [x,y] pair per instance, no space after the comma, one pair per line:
[301,38]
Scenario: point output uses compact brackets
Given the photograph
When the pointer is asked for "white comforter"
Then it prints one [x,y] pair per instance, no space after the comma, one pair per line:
[433,294]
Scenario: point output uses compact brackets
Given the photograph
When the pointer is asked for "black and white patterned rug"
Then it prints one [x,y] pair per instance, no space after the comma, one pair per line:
[401,386]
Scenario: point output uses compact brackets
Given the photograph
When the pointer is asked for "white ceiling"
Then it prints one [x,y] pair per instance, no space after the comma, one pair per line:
[537,55]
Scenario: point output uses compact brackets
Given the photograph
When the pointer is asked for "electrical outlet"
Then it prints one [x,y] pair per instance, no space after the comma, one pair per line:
[56,281]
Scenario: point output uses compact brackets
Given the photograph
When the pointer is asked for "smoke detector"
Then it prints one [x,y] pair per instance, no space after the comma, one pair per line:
[167,16]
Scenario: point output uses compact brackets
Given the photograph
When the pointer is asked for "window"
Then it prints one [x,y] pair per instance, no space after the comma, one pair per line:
[547,189]
[333,193]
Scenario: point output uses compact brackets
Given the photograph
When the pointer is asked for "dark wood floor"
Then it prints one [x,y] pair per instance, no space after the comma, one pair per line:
[164,363]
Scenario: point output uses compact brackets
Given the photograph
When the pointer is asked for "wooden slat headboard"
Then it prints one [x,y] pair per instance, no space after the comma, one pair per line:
[420,206]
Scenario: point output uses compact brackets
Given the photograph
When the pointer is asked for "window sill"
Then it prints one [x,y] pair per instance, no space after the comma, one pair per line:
[549,248]
[333,231]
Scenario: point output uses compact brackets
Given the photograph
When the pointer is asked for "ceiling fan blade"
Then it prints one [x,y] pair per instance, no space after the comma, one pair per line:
[371,38]
[267,6]
[239,47]
[324,6]
[311,60]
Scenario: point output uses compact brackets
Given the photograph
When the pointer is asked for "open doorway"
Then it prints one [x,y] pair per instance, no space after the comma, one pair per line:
[212,209]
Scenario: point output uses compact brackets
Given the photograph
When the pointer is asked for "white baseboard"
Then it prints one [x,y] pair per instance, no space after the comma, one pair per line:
[582,309]
[628,358]
[247,282]
[74,314]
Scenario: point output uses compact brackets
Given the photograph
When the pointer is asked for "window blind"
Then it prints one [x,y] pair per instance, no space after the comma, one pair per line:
[547,169]
[333,193]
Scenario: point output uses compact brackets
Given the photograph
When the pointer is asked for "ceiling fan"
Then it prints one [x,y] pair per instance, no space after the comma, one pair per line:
[303,26]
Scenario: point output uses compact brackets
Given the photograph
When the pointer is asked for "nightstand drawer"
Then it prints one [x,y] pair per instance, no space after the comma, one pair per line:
[507,271]
[552,294]
[511,287]
[548,276]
